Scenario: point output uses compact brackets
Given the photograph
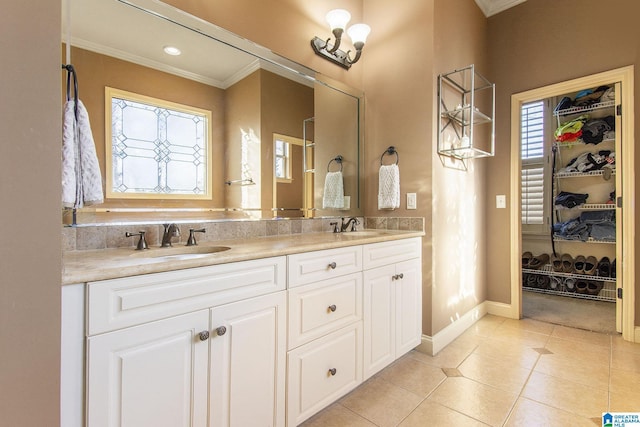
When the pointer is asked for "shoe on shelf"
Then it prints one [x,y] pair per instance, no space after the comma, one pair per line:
[569,284]
[531,281]
[537,262]
[526,259]
[604,267]
[567,263]
[593,287]
[542,281]
[590,265]
[556,263]
[578,264]
[581,286]
[555,283]
[613,269]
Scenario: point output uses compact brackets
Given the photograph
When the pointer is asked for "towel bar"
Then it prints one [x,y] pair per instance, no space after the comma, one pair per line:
[338,160]
[391,150]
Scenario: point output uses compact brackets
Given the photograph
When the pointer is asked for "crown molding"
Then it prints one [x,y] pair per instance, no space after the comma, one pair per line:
[492,7]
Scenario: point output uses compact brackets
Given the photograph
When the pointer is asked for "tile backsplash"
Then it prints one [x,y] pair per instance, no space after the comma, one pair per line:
[105,236]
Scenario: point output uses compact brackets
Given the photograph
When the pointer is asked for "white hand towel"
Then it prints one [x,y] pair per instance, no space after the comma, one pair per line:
[333,197]
[389,187]
[81,177]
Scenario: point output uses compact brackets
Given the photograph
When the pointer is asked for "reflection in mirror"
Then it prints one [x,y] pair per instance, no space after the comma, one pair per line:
[252,97]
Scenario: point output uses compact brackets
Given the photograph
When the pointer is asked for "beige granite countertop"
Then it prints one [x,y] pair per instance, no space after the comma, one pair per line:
[103,264]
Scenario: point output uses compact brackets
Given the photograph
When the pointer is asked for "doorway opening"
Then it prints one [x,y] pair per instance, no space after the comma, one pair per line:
[569,204]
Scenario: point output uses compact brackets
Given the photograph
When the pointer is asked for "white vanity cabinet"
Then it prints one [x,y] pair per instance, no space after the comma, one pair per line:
[392,282]
[325,329]
[194,347]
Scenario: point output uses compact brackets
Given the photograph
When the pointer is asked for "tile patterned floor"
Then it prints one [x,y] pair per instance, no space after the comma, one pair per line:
[500,372]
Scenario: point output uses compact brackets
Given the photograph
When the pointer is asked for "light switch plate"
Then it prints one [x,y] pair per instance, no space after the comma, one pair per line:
[501,201]
[412,201]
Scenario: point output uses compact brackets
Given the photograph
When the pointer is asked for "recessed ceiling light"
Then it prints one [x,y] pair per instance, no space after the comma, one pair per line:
[172,50]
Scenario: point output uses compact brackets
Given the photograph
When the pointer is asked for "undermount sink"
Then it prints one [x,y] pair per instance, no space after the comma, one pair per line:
[180,252]
[364,233]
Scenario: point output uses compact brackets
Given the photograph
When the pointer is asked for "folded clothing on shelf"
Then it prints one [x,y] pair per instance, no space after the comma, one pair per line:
[598,225]
[594,131]
[571,130]
[587,162]
[570,200]
[589,97]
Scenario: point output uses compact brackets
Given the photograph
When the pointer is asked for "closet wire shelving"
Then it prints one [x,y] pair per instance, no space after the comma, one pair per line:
[607,293]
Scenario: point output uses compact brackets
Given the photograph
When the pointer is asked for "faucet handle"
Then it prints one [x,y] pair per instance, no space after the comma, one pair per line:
[336,229]
[191,241]
[354,223]
[142,242]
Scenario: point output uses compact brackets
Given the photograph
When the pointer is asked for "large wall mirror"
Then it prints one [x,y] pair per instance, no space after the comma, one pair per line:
[275,131]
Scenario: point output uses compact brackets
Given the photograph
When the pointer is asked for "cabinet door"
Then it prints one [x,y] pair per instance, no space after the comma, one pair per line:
[408,289]
[149,375]
[379,318]
[248,362]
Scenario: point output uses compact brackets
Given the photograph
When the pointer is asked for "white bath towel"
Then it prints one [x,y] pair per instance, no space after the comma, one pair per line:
[81,178]
[333,197]
[389,187]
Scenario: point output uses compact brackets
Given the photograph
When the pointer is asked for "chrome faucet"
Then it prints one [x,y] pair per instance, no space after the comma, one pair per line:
[170,230]
[353,221]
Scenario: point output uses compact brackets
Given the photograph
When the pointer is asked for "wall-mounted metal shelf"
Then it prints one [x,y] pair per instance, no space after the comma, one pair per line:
[466,131]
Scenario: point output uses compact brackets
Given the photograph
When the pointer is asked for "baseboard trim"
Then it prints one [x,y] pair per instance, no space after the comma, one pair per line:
[501,309]
[636,337]
[433,345]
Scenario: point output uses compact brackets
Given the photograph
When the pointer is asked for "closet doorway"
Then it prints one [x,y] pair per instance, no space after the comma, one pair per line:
[569,227]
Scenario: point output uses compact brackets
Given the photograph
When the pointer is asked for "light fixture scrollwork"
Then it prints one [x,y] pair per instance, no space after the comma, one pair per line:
[338,19]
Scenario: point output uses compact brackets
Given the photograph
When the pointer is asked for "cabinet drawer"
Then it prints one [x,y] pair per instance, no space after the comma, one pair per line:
[323,307]
[322,371]
[311,267]
[118,303]
[384,253]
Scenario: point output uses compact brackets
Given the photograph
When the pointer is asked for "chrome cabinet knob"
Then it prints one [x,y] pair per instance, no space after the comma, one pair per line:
[332,308]
[401,275]
[221,331]
[333,265]
[204,335]
[332,371]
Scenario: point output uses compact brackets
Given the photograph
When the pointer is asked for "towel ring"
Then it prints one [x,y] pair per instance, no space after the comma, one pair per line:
[391,150]
[338,160]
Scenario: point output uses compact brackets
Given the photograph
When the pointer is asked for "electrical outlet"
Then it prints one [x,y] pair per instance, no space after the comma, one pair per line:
[501,201]
[412,201]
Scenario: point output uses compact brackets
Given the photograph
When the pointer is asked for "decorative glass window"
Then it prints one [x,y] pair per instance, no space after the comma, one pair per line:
[156,148]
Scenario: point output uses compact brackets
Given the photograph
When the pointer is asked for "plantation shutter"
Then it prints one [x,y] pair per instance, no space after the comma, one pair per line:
[533,170]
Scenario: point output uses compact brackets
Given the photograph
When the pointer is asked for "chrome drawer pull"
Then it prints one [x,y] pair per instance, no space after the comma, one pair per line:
[332,371]
[221,331]
[204,335]
[333,265]
[332,308]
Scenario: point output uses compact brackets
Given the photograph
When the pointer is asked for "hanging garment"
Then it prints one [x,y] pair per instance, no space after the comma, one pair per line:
[81,177]
[389,187]
[333,196]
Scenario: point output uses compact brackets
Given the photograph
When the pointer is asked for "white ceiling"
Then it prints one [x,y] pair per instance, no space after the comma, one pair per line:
[117,29]
[491,7]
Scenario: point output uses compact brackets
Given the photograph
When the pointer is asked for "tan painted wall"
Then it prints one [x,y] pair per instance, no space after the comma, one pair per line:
[532,45]
[283,115]
[459,197]
[30,191]
[399,108]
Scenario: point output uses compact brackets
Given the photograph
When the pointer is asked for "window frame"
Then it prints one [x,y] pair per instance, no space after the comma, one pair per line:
[111,93]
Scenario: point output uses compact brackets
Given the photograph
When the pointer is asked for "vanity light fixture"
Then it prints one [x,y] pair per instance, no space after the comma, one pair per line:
[172,50]
[338,19]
